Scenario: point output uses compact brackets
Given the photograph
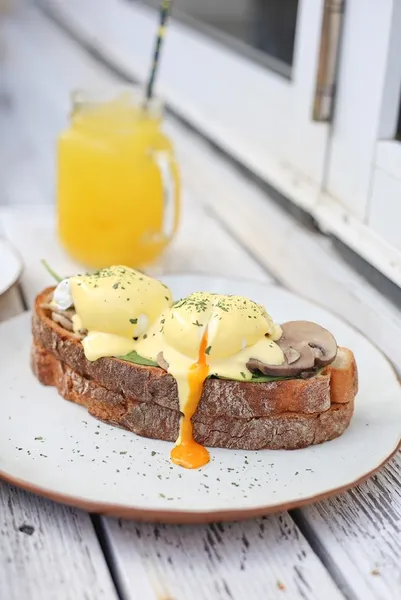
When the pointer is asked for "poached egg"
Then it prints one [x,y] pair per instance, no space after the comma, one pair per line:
[114,306]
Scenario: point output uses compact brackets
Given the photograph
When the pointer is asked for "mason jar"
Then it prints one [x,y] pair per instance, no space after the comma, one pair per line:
[118,183]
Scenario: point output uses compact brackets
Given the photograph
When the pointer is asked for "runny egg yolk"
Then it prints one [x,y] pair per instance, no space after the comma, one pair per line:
[188,453]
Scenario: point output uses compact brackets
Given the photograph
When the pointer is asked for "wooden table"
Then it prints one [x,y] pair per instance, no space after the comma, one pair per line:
[348,547]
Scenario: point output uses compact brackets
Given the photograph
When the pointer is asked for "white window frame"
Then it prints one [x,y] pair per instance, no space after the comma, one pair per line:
[361,202]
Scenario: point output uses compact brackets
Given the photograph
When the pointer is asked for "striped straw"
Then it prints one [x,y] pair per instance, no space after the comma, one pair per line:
[164,12]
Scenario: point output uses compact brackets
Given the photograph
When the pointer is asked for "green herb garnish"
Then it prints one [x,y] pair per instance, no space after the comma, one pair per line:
[207,351]
[133,321]
[222,306]
[50,271]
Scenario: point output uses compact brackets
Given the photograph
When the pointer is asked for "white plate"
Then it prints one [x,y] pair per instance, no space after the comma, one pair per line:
[10,266]
[55,448]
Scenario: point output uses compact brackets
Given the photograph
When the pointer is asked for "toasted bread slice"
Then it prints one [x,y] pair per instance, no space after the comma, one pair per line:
[282,414]
[280,431]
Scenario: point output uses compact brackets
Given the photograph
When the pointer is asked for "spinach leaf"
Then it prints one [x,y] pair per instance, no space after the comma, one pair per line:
[134,357]
[260,378]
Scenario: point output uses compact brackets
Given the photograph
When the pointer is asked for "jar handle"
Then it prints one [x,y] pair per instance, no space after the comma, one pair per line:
[167,168]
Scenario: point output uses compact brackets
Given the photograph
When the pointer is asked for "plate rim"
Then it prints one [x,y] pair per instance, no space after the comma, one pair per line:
[9,246]
[186,517]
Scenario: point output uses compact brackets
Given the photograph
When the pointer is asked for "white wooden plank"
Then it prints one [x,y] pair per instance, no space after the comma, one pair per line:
[49,551]
[359,535]
[332,217]
[264,558]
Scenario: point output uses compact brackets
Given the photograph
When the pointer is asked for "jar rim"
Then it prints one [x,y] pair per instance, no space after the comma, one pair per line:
[97,95]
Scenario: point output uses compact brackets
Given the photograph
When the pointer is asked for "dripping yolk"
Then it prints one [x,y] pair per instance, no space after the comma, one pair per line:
[188,453]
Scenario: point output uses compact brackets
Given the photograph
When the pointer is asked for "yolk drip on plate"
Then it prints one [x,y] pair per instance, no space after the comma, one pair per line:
[188,453]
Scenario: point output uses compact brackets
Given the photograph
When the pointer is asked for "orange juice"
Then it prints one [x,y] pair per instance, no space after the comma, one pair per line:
[118,183]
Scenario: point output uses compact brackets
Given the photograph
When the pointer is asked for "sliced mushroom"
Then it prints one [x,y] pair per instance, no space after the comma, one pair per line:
[292,355]
[306,347]
[63,321]
[68,313]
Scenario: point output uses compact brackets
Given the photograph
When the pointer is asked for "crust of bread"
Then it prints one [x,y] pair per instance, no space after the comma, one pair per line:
[343,377]
[286,414]
[285,431]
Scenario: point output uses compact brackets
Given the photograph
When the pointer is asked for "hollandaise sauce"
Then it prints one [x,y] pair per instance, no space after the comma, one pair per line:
[188,453]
